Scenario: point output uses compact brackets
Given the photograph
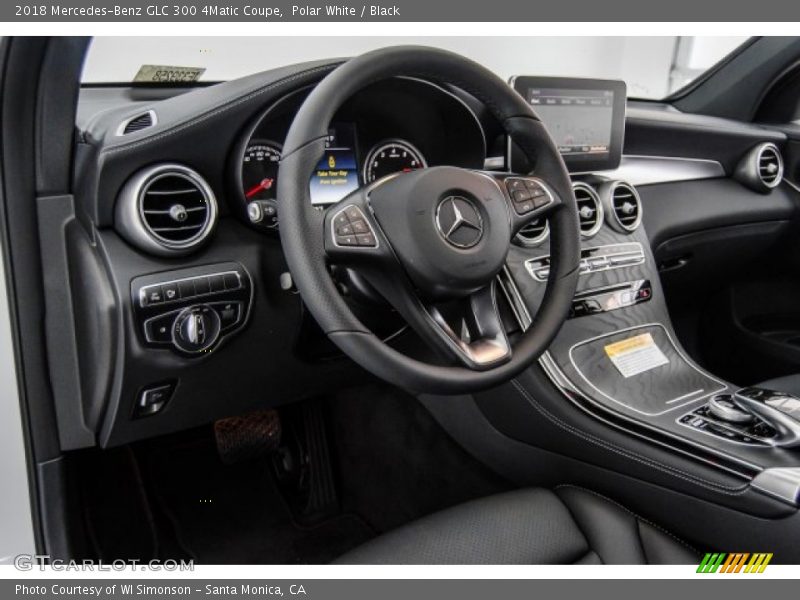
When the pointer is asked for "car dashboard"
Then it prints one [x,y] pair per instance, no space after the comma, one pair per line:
[183,309]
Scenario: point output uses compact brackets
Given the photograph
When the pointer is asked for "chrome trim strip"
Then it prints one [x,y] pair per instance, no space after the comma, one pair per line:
[782,483]
[649,170]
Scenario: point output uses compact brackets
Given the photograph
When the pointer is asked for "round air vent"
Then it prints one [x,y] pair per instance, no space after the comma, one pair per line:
[770,165]
[624,206]
[534,233]
[167,209]
[761,169]
[590,209]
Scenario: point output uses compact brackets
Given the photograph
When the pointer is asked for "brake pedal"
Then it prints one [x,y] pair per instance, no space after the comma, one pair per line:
[247,436]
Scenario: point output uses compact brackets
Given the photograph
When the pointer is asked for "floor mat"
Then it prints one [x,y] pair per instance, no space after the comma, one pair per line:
[234,514]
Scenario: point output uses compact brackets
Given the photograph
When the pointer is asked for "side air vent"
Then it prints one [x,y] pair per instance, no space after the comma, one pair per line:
[761,169]
[137,123]
[623,206]
[770,166]
[534,233]
[167,209]
[590,209]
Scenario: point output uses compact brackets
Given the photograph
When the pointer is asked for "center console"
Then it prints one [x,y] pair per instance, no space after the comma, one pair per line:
[617,356]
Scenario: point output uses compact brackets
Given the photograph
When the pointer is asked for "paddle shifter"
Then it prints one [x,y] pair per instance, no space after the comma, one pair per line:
[778,409]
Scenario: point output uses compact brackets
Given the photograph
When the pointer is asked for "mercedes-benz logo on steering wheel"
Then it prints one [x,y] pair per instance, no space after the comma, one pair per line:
[459,222]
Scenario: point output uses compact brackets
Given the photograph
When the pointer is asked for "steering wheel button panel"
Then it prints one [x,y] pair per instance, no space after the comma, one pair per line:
[527,194]
[351,228]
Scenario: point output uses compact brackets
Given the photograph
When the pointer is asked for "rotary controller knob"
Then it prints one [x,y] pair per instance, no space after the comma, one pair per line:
[196,329]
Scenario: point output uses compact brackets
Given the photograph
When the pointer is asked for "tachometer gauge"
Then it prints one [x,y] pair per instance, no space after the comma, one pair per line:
[392,156]
[259,181]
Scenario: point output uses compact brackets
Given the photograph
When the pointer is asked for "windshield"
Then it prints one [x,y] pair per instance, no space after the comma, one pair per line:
[652,67]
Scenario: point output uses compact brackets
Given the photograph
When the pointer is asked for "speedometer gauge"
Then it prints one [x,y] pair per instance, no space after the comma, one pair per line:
[259,181]
[392,156]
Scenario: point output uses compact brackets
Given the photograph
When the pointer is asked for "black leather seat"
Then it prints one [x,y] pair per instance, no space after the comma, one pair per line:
[789,384]
[530,526]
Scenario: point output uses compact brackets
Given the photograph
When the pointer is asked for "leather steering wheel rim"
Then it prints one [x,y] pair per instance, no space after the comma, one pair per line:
[302,225]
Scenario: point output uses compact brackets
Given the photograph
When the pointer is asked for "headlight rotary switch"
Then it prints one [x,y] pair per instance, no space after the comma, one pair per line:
[196,329]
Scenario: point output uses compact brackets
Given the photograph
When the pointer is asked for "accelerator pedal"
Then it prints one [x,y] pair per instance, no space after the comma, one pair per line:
[304,467]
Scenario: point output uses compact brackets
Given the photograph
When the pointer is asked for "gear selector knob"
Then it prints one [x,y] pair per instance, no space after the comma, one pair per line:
[778,409]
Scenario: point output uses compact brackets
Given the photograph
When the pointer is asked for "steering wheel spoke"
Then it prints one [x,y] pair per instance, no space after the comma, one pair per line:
[473,330]
[467,331]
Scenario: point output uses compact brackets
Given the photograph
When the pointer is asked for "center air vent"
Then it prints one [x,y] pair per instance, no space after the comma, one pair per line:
[761,169]
[590,209]
[624,206]
[137,123]
[166,209]
[534,233]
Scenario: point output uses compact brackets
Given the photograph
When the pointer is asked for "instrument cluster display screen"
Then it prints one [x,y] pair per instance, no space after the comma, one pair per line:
[585,118]
[336,174]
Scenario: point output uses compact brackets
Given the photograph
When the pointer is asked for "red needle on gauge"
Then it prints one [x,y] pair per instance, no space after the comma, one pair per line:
[264,184]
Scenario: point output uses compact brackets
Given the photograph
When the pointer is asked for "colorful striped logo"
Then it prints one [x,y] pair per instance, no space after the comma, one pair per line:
[737,562]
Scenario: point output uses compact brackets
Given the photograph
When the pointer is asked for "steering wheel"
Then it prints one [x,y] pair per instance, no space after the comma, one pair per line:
[430,241]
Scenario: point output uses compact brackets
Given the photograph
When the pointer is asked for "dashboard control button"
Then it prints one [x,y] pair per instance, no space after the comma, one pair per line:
[196,329]
[540,201]
[353,213]
[201,285]
[345,230]
[360,226]
[230,314]
[158,330]
[216,283]
[186,288]
[151,295]
[366,239]
[535,188]
[347,240]
[170,292]
[232,281]
[515,185]
[521,195]
[153,400]
[524,207]
[340,220]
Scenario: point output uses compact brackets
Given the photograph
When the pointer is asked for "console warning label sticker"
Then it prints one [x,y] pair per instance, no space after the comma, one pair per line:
[636,355]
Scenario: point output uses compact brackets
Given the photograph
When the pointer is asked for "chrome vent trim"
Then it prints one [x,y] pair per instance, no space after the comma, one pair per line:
[769,163]
[166,209]
[590,208]
[625,206]
[138,122]
[534,233]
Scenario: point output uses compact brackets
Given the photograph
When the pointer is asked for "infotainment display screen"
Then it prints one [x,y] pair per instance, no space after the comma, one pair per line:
[585,117]
[336,174]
